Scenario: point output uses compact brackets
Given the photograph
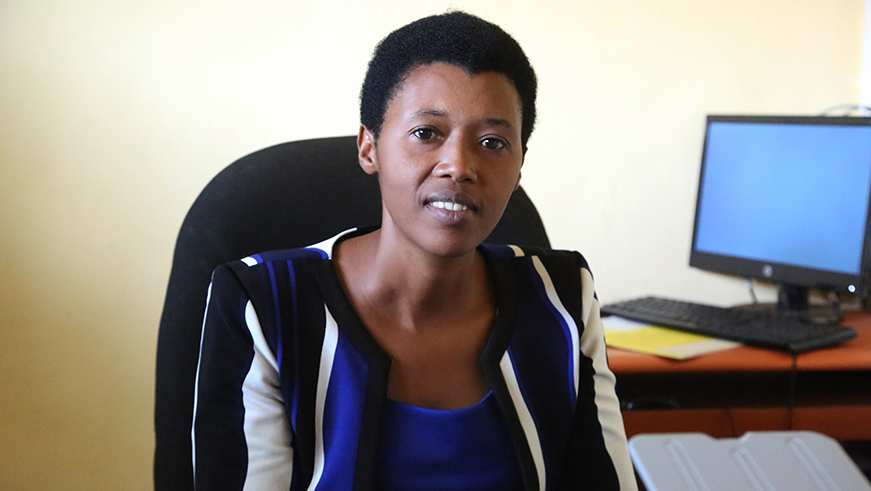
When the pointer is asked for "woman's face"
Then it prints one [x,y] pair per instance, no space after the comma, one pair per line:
[448,157]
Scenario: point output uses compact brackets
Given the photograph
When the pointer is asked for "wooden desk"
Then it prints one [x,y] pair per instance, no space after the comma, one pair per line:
[728,393]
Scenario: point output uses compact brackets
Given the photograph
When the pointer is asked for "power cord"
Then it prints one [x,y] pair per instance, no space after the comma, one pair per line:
[865,111]
[751,290]
[834,300]
[793,376]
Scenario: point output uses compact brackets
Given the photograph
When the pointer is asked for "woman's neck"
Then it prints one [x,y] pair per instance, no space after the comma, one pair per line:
[384,276]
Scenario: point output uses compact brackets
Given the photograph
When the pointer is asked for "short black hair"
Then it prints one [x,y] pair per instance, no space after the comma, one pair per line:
[456,38]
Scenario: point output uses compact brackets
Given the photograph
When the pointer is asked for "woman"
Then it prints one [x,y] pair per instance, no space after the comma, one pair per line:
[413,356]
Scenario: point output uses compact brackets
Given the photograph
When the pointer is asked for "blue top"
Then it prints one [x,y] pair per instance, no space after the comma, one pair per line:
[446,450]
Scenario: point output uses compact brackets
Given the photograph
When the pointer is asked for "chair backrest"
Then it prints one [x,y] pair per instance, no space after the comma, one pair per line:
[289,195]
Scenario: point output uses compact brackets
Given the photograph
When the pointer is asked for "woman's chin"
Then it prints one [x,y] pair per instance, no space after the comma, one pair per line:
[452,244]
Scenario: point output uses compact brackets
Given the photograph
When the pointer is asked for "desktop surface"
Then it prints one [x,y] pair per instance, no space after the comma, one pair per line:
[854,354]
[727,393]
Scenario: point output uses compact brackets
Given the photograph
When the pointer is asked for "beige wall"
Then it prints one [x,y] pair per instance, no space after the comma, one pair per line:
[114,114]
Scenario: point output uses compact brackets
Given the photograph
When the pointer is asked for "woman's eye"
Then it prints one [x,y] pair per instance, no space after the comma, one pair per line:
[493,143]
[424,133]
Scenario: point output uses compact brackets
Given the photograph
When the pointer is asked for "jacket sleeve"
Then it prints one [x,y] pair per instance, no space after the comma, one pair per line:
[598,447]
[241,436]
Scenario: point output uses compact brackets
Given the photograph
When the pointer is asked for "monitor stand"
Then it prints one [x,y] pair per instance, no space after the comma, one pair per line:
[794,301]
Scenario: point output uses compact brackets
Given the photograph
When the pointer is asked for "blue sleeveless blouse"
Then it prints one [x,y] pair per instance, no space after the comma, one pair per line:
[466,449]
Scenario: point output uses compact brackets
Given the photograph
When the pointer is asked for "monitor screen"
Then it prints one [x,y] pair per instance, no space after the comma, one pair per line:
[785,199]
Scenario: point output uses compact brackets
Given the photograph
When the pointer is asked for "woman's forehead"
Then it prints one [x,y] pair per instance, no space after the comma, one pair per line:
[443,90]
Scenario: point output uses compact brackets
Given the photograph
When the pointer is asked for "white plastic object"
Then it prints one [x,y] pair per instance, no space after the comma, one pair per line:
[758,461]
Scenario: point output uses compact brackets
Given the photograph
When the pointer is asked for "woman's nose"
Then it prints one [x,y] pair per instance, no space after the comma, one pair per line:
[457,161]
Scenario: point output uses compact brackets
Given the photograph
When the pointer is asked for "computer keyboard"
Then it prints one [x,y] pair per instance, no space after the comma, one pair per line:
[780,332]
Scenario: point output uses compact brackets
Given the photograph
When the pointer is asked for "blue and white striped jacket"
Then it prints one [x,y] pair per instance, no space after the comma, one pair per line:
[290,384]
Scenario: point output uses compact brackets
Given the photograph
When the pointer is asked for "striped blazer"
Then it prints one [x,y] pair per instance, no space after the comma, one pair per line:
[290,384]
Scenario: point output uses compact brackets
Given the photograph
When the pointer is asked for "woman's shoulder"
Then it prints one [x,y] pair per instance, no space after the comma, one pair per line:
[544,254]
[280,255]
[320,251]
[280,278]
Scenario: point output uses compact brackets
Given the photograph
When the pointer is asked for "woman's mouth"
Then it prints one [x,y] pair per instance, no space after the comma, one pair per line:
[451,201]
[447,205]
[451,208]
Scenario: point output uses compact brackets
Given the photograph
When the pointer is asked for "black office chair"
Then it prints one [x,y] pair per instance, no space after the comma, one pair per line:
[289,195]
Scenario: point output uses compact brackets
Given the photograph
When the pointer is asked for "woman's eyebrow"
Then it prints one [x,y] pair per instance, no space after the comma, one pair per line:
[499,122]
[429,112]
[439,113]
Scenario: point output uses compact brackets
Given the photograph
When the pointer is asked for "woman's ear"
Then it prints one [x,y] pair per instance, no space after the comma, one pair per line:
[366,153]
[519,174]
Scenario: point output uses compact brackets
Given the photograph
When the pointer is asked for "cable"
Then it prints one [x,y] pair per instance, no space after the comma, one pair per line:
[752,291]
[865,111]
[732,423]
[834,301]
[793,375]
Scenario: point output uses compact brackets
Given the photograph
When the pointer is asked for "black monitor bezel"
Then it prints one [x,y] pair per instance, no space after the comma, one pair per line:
[778,272]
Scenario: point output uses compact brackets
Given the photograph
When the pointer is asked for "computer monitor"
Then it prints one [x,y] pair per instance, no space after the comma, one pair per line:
[786,199]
